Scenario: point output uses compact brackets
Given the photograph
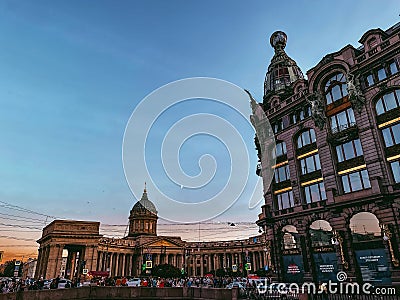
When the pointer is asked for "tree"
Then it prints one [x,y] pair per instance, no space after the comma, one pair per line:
[166,271]
[9,268]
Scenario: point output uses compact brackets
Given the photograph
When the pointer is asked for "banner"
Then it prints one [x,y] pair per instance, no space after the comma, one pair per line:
[293,268]
[326,266]
[374,266]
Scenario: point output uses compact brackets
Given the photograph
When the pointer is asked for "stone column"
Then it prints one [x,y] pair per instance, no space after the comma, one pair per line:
[201,265]
[39,263]
[109,262]
[117,265]
[45,261]
[123,264]
[59,250]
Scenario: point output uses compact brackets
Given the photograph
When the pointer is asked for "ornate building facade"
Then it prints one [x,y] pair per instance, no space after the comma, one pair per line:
[334,202]
[135,255]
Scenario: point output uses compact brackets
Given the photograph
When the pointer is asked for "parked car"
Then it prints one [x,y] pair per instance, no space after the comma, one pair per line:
[133,282]
[46,284]
[85,283]
[63,282]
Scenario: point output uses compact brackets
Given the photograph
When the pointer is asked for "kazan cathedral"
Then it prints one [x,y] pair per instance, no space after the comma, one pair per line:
[333,204]
[136,254]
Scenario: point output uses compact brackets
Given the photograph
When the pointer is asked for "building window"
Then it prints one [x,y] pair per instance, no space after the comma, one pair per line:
[285,200]
[370,80]
[356,181]
[282,174]
[335,88]
[395,166]
[393,68]
[343,120]
[300,115]
[306,138]
[381,74]
[388,102]
[349,150]
[314,192]
[277,126]
[310,164]
[391,135]
[280,149]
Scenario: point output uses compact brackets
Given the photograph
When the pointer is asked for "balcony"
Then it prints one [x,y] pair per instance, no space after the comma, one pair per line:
[343,127]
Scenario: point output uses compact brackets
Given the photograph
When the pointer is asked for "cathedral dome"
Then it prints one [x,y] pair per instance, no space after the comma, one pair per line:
[144,204]
[282,71]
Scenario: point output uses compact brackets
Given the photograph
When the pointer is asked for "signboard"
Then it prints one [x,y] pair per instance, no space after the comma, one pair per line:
[17,263]
[15,273]
[374,266]
[326,266]
[85,271]
[293,268]
[234,268]
[149,256]
[248,258]
[149,264]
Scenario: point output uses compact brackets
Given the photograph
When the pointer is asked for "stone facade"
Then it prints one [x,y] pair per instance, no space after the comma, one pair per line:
[88,250]
[336,190]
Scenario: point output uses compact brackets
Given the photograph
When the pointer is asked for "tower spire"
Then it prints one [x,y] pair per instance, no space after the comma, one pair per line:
[145,190]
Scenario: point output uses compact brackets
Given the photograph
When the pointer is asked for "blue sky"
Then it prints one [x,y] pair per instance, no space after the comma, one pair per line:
[71,73]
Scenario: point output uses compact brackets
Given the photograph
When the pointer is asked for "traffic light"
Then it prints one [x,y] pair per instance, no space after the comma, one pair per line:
[183,271]
[143,267]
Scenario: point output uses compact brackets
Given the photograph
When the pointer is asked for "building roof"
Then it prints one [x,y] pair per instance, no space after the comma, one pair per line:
[145,203]
[282,71]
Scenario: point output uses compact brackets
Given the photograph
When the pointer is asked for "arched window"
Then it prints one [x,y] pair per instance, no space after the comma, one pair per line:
[335,88]
[289,237]
[321,233]
[365,227]
[388,102]
[306,138]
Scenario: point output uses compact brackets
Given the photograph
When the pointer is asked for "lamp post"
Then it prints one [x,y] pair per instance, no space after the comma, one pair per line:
[387,235]
[338,241]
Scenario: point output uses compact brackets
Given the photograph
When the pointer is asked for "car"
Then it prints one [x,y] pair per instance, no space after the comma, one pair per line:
[63,282]
[46,284]
[133,282]
[85,283]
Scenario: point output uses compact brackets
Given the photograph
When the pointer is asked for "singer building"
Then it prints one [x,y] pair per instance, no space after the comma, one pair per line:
[333,204]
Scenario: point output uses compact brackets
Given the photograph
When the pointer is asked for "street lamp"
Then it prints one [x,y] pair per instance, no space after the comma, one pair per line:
[387,235]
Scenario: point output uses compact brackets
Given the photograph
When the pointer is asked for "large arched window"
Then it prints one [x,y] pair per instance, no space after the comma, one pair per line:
[305,138]
[335,88]
[388,102]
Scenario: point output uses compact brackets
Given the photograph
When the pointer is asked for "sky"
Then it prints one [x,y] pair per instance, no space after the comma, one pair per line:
[73,72]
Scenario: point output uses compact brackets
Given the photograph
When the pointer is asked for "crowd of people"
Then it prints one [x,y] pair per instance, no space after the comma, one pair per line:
[15,285]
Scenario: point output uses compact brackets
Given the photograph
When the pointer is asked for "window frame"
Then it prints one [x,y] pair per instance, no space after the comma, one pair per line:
[333,82]
[348,124]
[343,152]
[312,137]
[364,186]
[321,192]
[278,198]
[317,166]
[381,101]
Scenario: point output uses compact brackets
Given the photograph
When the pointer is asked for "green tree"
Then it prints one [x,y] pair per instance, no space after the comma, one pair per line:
[166,271]
[8,269]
